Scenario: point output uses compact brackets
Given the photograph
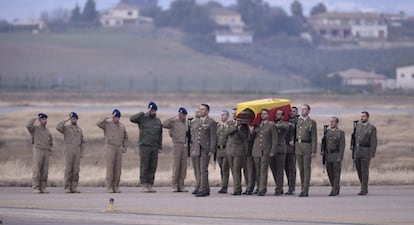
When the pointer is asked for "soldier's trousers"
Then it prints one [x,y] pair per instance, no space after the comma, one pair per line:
[277,165]
[148,164]
[224,170]
[236,165]
[262,168]
[250,171]
[113,157]
[40,169]
[334,174]
[304,163]
[179,166]
[195,161]
[204,161]
[72,166]
[362,167]
[290,170]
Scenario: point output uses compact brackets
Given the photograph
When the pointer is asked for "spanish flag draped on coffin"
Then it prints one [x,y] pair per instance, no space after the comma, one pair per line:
[249,112]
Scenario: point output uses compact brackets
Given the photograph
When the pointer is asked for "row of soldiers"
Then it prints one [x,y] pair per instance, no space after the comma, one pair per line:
[239,148]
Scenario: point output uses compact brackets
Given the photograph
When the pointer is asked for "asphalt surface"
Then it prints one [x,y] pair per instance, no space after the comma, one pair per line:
[383,205]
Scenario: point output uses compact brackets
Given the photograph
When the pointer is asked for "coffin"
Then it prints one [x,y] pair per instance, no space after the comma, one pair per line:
[249,112]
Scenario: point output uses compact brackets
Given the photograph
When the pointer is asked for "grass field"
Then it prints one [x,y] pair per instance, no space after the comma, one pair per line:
[394,162]
[111,60]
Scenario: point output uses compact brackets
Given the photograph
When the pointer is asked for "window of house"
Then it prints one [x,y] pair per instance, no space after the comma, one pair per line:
[412,75]
[130,13]
[402,75]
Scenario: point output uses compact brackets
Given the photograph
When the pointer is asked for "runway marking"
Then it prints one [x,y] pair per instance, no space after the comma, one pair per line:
[264,218]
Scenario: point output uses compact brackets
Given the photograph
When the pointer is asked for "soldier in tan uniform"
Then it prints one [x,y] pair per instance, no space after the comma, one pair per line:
[42,147]
[305,147]
[195,161]
[365,148]
[116,143]
[335,145]
[74,147]
[205,146]
[177,126]
[279,149]
[264,137]
[221,150]
[237,148]
[290,162]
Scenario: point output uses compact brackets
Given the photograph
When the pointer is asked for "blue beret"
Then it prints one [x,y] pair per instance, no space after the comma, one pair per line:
[73,115]
[182,111]
[116,113]
[42,116]
[152,106]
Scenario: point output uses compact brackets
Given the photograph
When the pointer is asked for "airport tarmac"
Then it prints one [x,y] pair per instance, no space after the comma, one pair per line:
[383,205]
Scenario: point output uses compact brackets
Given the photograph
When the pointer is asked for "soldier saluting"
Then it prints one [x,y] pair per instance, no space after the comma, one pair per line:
[365,146]
[74,146]
[42,147]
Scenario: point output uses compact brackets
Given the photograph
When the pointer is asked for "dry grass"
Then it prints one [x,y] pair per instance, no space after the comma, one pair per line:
[394,162]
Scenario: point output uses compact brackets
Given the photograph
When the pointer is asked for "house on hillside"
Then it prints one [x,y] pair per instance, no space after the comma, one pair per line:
[356,78]
[335,26]
[405,77]
[231,29]
[30,25]
[122,14]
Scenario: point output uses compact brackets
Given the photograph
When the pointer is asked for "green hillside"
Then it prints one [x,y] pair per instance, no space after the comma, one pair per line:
[102,60]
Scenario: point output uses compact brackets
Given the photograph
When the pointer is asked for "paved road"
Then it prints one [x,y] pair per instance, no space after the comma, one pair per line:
[384,205]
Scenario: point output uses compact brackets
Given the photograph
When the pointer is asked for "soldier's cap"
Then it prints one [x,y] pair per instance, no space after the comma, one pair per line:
[42,116]
[73,115]
[152,106]
[182,110]
[116,113]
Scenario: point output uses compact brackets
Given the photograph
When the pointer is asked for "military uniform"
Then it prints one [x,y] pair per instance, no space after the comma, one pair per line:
[264,136]
[237,151]
[195,161]
[279,149]
[42,142]
[116,143]
[249,168]
[306,142]
[365,148]
[335,145]
[290,162]
[150,142]
[177,132]
[74,147]
[205,142]
[222,159]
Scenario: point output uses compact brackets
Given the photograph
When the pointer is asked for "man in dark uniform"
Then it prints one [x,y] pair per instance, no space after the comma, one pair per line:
[335,145]
[278,154]
[221,150]
[236,151]
[150,144]
[305,147]
[264,136]
[290,162]
[195,161]
[205,146]
[365,148]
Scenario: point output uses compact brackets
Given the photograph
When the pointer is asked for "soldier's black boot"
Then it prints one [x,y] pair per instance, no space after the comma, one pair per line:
[223,190]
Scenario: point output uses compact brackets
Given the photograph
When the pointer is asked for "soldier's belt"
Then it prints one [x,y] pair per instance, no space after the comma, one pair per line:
[333,150]
[364,146]
[303,141]
[221,147]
